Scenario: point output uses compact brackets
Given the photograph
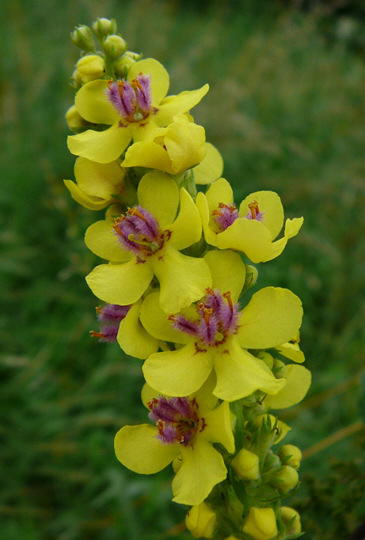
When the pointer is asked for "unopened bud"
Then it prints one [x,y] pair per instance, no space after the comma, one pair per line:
[123,63]
[290,455]
[251,277]
[83,38]
[291,520]
[231,538]
[74,119]
[271,461]
[176,464]
[200,521]
[285,478]
[90,67]
[246,465]
[261,524]
[114,46]
[102,27]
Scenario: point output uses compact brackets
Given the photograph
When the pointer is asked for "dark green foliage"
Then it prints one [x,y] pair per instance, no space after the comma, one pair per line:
[287,110]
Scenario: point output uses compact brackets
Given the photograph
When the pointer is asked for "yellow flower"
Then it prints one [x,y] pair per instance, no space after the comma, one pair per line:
[251,228]
[97,185]
[261,524]
[246,465]
[201,520]
[291,519]
[175,148]
[215,335]
[135,108]
[185,429]
[144,243]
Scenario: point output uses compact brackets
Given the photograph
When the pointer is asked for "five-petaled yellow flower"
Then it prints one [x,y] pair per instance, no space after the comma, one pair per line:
[135,108]
[184,432]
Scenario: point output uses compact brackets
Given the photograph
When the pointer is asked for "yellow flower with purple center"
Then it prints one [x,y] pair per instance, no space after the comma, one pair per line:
[215,335]
[136,109]
[184,430]
[252,228]
[145,242]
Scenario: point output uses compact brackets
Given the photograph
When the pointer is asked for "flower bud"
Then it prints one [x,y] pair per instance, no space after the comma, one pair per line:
[246,465]
[176,464]
[285,478]
[74,119]
[231,538]
[290,455]
[291,520]
[261,524]
[201,520]
[114,46]
[251,277]
[102,27]
[82,37]
[271,461]
[123,63]
[90,67]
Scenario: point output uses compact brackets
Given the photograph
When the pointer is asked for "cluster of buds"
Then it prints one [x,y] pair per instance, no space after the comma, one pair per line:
[176,281]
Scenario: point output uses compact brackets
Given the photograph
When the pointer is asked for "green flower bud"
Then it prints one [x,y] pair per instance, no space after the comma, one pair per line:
[271,461]
[83,38]
[261,524]
[102,27]
[114,46]
[267,358]
[291,520]
[90,67]
[251,277]
[285,478]
[200,521]
[176,464]
[246,465]
[290,455]
[74,119]
[123,63]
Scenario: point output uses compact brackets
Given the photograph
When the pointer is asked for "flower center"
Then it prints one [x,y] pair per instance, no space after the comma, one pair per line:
[131,99]
[139,232]
[225,215]
[177,419]
[109,317]
[254,212]
[217,320]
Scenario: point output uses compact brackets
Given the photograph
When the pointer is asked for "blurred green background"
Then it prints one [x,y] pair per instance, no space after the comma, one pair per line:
[287,110]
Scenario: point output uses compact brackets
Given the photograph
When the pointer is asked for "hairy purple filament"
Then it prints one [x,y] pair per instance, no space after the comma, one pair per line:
[177,419]
[139,232]
[132,100]
[254,212]
[218,317]
[109,317]
[225,215]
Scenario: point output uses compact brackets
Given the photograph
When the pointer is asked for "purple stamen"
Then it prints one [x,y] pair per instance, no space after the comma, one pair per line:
[133,99]
[218,319]
[109,316]
[225,215]
[254,212]
[142,88]
[177,419]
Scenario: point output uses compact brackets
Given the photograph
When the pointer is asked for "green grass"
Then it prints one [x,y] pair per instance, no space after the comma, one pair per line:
[286,109]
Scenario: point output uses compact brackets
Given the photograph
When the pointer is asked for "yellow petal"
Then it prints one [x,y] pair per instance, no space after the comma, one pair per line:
[219,427]
[181,103]
[204,396]
[178,373]
[270,205]
[156,321]
[248,236]
[219,192]
[298,381]
[187,228]
[147,154]
[202,468]
[159,194]
[133,338]
[139,449]
[291,351]
[228,271]
[159,77]
[101,146]
[121,284]
[183,279]
[101,239]
[87,201]
[99,179]
[293,226]
[239,374]
[271,318]
[148,393]
[202,205]
[185,144]
[210,168]
[92,103]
